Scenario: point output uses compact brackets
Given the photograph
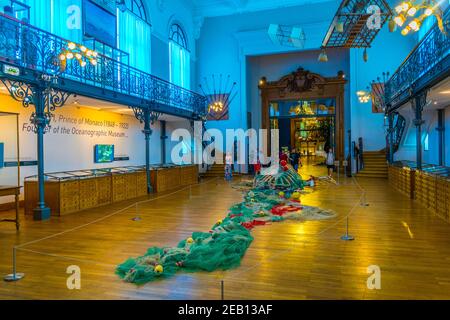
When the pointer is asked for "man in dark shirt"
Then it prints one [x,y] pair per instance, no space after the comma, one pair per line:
[295,159]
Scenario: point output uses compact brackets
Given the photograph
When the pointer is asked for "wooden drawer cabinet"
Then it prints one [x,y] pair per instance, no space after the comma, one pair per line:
[431,191]
[78,194]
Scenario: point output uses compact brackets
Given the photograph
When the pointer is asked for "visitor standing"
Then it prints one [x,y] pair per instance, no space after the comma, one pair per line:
[295,159]
[330,162]
[228,168]
[257,167]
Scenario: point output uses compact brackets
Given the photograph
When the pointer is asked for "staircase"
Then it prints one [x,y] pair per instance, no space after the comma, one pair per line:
[375,165]
[217,170]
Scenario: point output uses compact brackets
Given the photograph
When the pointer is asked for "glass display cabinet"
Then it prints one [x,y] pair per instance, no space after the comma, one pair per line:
[73,191]
[430,185]
[170,176]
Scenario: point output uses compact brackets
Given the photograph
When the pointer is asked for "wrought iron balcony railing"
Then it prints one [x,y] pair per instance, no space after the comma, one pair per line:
[425,60]
[31,48]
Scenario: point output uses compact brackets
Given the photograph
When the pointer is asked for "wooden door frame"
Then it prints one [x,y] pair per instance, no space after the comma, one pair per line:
[305,85]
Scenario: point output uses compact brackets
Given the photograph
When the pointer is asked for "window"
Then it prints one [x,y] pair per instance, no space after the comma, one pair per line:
[65,19]
[134,33]
[134,6]
[426,146]
[179,58]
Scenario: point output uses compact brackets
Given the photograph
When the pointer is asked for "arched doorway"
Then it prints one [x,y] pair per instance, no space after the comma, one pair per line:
[308,109]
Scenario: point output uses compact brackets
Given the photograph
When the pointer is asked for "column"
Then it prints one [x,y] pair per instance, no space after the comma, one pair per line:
[441,135]
[148,133]
[163,141]
[41,122]
[418,104]
[391,137]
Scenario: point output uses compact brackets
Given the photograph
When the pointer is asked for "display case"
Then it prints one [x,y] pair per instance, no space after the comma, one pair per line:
[73,191]
[429,186]
[9,164]
[170,177]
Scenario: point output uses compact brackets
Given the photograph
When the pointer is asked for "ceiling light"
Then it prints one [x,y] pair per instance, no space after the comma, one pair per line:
[392,25]
[412,11]
[72,45]
[323,57]
[365,55]
[415,25]
[405,6]
[428,11]
[445,92]
[400,20]
[406,31]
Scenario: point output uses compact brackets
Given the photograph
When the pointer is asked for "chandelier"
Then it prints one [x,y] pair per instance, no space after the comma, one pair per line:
[220,93]
[216,106]
[364,96]
[78,52]
[410,15]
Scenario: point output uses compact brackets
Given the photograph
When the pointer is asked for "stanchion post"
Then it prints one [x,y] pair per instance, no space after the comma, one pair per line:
[347,236]
[222,290]
[345,165]
[363,200]
[337,164]
[14,276]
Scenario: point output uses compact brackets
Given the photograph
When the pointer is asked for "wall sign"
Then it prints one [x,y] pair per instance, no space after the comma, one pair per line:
[11,70]
[28,163]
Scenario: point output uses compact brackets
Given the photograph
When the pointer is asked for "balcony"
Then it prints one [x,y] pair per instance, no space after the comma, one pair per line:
[426,65]
[36,52]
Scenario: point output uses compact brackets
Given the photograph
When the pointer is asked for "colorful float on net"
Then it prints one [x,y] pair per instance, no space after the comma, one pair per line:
[275,197]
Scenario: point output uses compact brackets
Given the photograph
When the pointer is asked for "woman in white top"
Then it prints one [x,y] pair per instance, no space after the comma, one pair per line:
[330,162]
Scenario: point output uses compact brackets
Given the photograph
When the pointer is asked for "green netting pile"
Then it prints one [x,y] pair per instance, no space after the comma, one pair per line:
[273,198]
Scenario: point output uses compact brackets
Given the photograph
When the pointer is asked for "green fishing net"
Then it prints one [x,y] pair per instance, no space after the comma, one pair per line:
[273,198]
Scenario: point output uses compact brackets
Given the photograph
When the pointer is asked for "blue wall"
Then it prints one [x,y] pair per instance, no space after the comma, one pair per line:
[239,45]
[228,45]
[388,51]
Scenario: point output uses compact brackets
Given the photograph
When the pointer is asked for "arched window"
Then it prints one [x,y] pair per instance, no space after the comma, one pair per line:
[179,57]
[177,35]
[134,33]
[67,19]
[134,6]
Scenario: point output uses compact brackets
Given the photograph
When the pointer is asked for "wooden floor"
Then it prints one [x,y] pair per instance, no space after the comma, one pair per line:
[288,260]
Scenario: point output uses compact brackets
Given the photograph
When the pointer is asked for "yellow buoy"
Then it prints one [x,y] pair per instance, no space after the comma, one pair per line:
[296,195]
[190,240]
[159,269]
